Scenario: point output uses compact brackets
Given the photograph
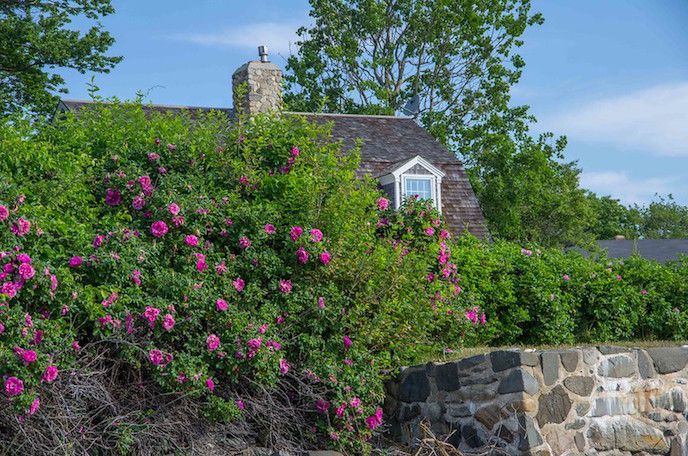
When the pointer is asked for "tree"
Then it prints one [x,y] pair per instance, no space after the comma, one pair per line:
[458,57]
[611,218]
[35,40]
[664,219]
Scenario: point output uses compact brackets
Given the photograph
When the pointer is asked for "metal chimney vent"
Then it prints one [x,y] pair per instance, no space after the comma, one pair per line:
[263,53]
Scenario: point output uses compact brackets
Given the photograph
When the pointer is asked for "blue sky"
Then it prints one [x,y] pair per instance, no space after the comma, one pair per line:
[610,75]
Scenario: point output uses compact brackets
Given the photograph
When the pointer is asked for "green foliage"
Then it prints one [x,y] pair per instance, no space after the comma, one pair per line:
[549,296]
[178,238]
[34,38]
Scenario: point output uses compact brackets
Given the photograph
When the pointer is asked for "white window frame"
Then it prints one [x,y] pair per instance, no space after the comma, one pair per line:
[398,177]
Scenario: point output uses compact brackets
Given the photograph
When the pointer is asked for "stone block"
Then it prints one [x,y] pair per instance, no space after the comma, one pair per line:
[490,415]
[506,359]
[414,387]
[553,407]
[617,367]
[447,377]
[518,381]
[626,434]
[579,385]
[668,360]
[550,367]
[529,437]
[470,363]
[612,406]
[474,435]
[570,360]
[612,349]
[673,400]
[646,368]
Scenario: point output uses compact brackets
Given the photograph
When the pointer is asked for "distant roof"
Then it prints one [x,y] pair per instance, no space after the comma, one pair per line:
[75,105]
[661,250]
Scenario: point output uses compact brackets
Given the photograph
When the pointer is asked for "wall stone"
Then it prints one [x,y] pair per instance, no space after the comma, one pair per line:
[588,401]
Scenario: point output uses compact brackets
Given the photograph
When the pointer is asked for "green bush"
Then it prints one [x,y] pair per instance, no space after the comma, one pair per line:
[216,256]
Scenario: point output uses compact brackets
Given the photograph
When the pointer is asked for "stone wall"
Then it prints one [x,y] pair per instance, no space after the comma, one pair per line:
[592,401]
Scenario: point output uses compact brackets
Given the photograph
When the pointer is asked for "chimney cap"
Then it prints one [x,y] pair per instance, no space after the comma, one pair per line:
[263,53]
[619,237]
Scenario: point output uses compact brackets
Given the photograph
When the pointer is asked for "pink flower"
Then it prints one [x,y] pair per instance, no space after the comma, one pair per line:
[210,384]
[221,305]
[50,374]
[566,277]
[295,232]
[302,255]
[347,342]
[138,202]
[339,411]
[75,261]
[21,228]
[283,366]
[76,346]
[213,342]
[430,231]
[269,228]
[151,314]
[263,328]
[168,322]
[316,235]
[4,213]
[2,328]
[28,356]
[355,402]
[171,147]
[174,208]
[321,302]
[244,242]
[444,234]
[348,362]
[325,257]
[26,271]
[285,286]
[159,228]
[322,406]
[526,252]
[483,319]
[239,284]
[13,386]
[643,292]
[156,357]
[243,180]
[295,151]
[34,406]
[254,344]
[382,204]
[375,420]
[113,197]
[136,277]
[240,404]
[191,240]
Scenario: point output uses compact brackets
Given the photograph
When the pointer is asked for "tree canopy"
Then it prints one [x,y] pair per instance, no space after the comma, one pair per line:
[35,40]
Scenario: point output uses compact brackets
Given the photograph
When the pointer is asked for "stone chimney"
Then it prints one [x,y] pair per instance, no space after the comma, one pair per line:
[264,85]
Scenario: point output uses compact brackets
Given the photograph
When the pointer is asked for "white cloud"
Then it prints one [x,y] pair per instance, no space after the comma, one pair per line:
[629,190]
[654,120]
[278,37]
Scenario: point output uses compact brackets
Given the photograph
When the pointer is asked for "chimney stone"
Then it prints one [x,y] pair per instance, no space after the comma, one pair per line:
[264,86]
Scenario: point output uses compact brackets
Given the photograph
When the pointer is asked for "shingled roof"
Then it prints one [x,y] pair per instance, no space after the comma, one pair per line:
[662,250]
[386,141]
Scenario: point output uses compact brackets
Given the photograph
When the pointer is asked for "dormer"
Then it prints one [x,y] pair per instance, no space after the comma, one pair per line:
[415,177]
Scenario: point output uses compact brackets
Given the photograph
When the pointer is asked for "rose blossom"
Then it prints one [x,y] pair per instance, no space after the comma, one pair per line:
[285,286]
[4,213]
[173,208]
[382,204]
[75,261]
[26,271]
[113,197]
[13,386]
[221,305]
[302,255]
[269,228]
[159,228]
[316,235]
[34,406]
[50,374]
[347,342]
[239,284]
[295,232]
[325,257]
[168,322]
[210,384]
[191,240]
[213,342]
[244,242]
[156,357]
[283,366]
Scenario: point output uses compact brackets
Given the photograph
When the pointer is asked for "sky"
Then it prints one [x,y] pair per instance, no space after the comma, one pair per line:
[611,76]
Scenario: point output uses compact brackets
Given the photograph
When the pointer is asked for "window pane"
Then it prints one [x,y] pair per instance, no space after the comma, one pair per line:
[420,187]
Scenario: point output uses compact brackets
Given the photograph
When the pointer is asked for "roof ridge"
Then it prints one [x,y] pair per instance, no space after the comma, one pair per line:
[337,114]
[159,105]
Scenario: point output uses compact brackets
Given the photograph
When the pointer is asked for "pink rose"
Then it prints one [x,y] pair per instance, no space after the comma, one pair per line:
[221,305]
[159,228]
[347,342]
[213,342]
[283,366]
[210,384]
[173,208]
[295,232]
[191,240]
[244,242]
[325,257]
[75,261]
[168,322]
[113,197]
[382,204]
[13,386]
[302,255]
[4,213]
[285,286]
[34,406]
[269,228]
[156,357]
[239,284]
[50,374]
[316,235]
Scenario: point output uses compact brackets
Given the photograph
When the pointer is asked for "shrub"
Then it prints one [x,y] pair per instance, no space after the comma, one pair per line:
[215,257]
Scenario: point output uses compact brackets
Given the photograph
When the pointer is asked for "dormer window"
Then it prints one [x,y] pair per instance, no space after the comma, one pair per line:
[415,177]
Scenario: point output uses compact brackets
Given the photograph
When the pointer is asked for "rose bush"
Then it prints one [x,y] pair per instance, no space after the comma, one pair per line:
[212,256]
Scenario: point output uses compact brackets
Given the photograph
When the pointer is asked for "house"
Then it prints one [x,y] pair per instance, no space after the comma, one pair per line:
[661,250]
[404,158]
